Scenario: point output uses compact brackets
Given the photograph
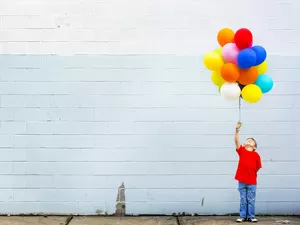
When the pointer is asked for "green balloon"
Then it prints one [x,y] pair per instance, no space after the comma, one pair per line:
[219,51]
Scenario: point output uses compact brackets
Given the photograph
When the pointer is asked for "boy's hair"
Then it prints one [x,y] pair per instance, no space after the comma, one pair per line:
[253,140]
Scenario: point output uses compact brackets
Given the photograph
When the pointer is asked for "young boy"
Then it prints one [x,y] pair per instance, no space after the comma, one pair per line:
[246,174]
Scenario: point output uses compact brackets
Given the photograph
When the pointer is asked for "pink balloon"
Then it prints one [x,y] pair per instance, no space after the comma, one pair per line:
[230,53]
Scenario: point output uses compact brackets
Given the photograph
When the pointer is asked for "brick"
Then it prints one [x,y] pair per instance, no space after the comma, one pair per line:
[66,128]
[55,141]
[6,168]
[279,181]
[13,74]
[18,35]
[288,208]
[279,154]
[6,195]
[17,208]
[33,22]
[89,182]
[50,114]
[14,47]
[65,195]
[12,127]
[13,62]
[7,141]
[26,181]
[6,114]
[13,155]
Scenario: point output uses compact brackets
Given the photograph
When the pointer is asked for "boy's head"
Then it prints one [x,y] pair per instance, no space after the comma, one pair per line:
[250,144]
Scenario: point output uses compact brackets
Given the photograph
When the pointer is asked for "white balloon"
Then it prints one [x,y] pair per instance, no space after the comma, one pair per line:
[230,91]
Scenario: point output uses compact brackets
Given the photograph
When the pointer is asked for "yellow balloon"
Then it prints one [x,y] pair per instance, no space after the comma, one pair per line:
[213,61]
[217,79]
[251,93]
[262,68]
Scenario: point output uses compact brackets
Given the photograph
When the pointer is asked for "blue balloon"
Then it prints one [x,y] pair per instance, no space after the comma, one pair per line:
[264,82]
[246,58]
[261,54]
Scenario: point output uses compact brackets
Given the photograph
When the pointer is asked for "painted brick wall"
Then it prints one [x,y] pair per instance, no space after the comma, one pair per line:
[97,93]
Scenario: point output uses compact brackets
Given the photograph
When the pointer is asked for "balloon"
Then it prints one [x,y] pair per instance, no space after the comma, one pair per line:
[230,53]
[261,54]
[251,93]
[219,89]
[230,72]
[243,38]
[219,51]
[213,61]
[262,68]
[217,78]
[230,91]
[246,58]
[225,36]
[248,76]
[250,46]
[264,82]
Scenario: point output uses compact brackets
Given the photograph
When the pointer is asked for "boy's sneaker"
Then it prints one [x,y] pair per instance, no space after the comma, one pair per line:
[253,220]
[240,220]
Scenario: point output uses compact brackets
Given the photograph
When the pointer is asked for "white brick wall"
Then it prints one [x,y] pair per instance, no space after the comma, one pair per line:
[131,102]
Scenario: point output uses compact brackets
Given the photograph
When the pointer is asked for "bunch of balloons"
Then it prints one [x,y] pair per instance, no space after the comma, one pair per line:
[239,68]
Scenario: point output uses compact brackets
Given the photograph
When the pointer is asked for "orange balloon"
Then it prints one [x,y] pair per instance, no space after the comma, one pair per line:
[248,76]
[225,36]
[230,72]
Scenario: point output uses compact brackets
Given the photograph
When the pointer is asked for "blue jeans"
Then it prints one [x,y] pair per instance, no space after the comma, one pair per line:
[247,201]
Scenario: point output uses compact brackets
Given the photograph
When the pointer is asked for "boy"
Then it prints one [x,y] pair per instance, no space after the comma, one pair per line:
[246,174]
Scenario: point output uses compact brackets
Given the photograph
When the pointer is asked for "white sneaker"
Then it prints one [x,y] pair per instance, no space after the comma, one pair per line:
[240,220]
[253,220]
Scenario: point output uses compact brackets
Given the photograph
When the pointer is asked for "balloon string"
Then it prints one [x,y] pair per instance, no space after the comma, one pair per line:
[240,110]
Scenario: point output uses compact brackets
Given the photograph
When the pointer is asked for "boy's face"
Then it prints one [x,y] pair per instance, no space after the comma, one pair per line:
[250,143]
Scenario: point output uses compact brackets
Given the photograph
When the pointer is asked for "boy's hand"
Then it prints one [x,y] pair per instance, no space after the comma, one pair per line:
[238,125]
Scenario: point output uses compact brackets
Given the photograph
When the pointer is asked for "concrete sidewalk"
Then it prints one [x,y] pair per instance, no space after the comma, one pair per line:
[97,220]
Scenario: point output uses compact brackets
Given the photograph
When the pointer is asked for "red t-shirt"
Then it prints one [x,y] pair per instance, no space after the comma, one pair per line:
[248,166]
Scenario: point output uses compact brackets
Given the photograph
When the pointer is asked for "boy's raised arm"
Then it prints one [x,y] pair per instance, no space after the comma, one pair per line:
[236,136]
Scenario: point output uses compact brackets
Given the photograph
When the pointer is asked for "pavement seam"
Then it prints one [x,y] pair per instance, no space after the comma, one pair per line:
[179,220]
[69,219]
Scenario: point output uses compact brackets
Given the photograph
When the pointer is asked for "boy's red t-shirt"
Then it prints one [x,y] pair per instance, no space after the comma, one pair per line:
[248,166]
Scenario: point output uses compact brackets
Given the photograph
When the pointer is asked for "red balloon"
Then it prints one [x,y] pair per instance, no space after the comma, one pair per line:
[243,38]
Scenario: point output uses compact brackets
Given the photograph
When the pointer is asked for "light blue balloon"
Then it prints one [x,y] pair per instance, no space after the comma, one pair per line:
[264,82]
